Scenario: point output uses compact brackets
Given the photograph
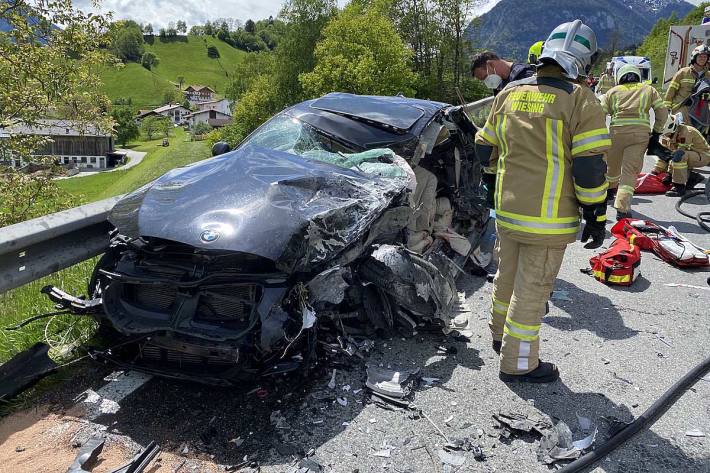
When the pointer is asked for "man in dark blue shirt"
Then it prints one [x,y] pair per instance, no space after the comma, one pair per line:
[496,73]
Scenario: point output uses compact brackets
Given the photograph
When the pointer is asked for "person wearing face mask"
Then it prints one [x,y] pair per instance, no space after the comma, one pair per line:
[496,73]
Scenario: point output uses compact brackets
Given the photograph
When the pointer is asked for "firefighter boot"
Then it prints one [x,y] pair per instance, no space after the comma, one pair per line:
[611,194]
[544,373]
[621,214]
[678,190]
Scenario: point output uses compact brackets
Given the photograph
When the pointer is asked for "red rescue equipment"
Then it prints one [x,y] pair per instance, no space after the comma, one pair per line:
[619,265]
[651,184]
[667,243]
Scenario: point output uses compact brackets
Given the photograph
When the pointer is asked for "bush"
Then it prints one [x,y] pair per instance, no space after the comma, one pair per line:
[212,52]
[201,129]
[127,40]
[149,60]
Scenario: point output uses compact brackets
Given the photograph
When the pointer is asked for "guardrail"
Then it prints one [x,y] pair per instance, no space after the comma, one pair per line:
[39,247]
[44,245]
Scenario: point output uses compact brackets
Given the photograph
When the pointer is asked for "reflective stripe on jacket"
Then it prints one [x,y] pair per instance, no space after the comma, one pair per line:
[681,86]
[542,127]
[690,140]
[629,106]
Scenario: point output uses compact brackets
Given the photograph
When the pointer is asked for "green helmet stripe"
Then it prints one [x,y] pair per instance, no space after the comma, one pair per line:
[580,39]
[583,40]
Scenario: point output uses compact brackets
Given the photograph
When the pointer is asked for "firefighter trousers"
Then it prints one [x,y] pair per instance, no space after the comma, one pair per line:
[680,170]
[521,289]
[624,163]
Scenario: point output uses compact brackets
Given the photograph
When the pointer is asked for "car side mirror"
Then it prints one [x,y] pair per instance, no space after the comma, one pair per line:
[655,80]
[220,147]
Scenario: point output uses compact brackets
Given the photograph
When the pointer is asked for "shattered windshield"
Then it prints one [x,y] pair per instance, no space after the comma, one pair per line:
[288,134]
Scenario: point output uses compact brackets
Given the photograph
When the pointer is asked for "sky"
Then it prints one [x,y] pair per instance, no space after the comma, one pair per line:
[160,12]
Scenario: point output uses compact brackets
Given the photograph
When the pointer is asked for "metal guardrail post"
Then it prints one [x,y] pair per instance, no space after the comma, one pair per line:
[41,246]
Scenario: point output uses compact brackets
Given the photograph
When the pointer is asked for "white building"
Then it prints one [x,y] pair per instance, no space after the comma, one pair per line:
[223,105]
[71,143]
[213,118]
[176,112]
[198,93]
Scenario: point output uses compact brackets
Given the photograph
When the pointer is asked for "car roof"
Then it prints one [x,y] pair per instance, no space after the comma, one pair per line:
[368,120]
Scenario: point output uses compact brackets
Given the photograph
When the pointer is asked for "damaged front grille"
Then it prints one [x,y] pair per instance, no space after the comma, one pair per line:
[154,297]
[228,303]
[231,303]
[150,353]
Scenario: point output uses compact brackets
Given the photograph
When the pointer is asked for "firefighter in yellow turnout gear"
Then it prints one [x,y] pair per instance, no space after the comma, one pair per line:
[681,86]
[688,150]
[544,139]
[606,80]
[629,104]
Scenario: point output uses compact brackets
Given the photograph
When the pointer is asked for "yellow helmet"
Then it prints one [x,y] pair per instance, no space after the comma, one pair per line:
[535,51]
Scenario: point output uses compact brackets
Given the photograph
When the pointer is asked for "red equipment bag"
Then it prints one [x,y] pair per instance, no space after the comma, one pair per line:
[651,184]
[618,265]
[667,243]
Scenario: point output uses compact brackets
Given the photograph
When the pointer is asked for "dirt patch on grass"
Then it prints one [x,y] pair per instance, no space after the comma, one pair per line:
[40,441]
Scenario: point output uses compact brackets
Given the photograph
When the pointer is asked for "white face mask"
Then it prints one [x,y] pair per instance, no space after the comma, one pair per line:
[492,81]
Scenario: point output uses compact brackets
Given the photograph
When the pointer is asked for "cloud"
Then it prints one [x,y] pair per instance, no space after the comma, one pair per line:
[161,12]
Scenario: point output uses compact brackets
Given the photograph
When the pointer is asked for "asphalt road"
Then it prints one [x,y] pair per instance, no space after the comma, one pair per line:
[618,350]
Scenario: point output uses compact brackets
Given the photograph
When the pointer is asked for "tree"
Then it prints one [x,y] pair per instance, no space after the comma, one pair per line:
[171,95]
[149,60]
[197,30]
[249,26]
[125,127]
[246,71]
[163,33]
[212,52]
[181,81]
[155,125]
[127,40]
[294,56]
[181,27]
[40,77]
[148,29]
[361,53]
[209,29]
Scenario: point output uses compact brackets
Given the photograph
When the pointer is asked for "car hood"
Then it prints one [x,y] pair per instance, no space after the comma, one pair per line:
[294,211]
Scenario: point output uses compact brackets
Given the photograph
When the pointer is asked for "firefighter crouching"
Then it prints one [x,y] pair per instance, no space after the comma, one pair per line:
[629,104]
[544,139]
[687,150]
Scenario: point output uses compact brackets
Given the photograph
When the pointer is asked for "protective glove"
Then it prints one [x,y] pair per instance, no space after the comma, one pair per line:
[490,182]
[677,155]
[664,156]
[594,229]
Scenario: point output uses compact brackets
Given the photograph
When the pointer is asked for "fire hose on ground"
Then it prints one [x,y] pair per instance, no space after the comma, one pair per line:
[703,218]
[646,419]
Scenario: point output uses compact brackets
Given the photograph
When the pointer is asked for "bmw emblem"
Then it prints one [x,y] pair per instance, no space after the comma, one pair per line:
[208,236]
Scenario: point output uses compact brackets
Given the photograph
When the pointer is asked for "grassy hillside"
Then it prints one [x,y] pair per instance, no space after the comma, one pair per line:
[133,80]
[186,57]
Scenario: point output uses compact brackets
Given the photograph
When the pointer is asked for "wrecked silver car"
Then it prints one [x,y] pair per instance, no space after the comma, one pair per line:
[339,217]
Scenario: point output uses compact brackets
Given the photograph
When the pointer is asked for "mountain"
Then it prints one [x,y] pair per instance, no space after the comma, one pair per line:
[186,56]
[512,26]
